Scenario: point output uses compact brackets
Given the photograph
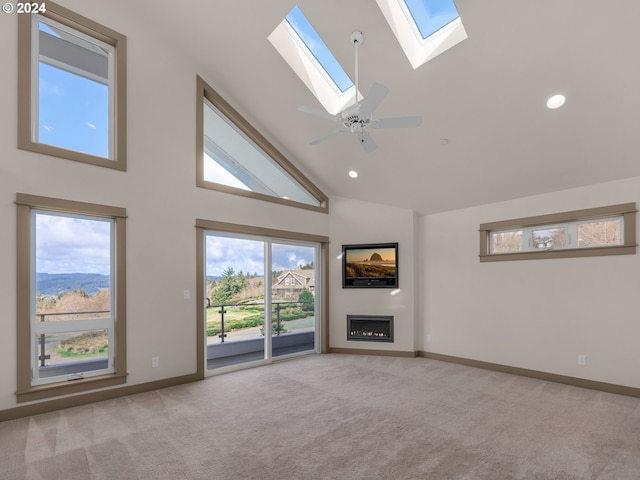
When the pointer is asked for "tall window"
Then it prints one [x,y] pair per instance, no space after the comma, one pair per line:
[72,88]
[71,316]
[233,157]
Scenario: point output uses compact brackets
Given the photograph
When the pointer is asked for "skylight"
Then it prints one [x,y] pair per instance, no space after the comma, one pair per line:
[318,49]
[431,15]
[424,28]
[307,54]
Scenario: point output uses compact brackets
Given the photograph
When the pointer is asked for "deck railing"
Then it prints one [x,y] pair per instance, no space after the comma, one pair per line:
[276,312]
[41,341]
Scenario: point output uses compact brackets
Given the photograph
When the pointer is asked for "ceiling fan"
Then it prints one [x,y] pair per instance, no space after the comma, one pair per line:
[358,118]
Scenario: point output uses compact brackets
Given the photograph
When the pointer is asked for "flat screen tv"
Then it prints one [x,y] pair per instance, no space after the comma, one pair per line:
[373,265]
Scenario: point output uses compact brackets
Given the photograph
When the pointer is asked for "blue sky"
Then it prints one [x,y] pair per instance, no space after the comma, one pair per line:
[431,15]
[247,256]
[73,110]
[72,245]
[81,245]
[318,48]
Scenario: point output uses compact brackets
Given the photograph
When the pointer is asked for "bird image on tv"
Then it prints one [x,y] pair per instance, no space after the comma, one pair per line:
[370,263]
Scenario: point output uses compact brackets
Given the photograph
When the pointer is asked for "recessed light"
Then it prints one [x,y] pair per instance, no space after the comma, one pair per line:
[555,101]
[353,174]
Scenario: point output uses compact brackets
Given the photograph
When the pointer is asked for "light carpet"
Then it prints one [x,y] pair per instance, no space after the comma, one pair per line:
[337,417]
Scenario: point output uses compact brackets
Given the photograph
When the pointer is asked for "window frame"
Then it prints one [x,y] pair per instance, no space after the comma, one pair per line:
[26,95]
[293,49]
[26,389]
[628,247]
[204,92]
[420,50]
[204,226]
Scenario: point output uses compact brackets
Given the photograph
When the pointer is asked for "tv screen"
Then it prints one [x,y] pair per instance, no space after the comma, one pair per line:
[370,265]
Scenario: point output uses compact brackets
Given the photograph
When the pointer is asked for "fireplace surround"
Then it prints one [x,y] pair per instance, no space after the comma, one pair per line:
[370,328]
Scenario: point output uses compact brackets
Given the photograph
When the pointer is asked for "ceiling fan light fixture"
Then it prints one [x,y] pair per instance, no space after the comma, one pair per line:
[556,101]
[358,118]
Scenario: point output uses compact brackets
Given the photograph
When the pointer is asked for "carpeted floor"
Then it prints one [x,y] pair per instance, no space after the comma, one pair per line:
[337,417]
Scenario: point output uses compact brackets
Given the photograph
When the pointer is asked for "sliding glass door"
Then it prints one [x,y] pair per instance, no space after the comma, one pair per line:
[261,298]
[293,297]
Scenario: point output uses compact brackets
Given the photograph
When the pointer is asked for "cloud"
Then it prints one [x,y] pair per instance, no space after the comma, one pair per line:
[247,256]
[72,245]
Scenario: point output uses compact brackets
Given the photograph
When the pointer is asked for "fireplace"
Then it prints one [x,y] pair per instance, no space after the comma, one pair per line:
[370,328]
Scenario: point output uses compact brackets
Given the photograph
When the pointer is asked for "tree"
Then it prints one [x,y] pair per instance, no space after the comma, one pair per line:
[308,266]
[230,285]
[306,299]
[241,281]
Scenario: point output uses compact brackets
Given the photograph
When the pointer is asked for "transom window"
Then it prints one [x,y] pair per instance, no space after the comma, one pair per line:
[72,88]
[599,231]
[233,157]
[582,234]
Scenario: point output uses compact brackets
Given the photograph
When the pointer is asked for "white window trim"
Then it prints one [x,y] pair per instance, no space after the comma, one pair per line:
[417,49]
[291,47]
[63,326]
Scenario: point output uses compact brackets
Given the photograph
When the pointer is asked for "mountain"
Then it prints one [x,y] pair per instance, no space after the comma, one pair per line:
[56,283]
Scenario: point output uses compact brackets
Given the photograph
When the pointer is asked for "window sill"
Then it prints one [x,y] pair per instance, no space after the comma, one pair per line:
[41,392]
[564,253]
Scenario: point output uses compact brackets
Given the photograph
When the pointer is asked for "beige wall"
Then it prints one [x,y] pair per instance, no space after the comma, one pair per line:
[158,191]
[533,314]
[354,222]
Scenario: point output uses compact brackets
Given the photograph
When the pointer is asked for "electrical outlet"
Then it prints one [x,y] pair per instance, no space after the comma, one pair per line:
[428,338]
[582,360]
[186,294]
[155,362]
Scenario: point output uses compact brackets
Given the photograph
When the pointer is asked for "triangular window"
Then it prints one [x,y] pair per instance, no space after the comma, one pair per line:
[234,157]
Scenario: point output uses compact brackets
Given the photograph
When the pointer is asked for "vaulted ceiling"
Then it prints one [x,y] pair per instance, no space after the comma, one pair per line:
[487,135]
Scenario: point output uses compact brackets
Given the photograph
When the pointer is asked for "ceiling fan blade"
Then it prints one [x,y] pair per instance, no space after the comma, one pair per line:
[318,113]
[367,142]
[327,137]
[398,122]
[373,98]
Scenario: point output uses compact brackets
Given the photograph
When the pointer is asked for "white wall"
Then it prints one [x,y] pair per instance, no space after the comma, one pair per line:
[158,191]
[534,314]
[354,222]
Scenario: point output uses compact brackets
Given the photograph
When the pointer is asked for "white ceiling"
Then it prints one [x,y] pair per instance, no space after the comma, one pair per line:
[486,96]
